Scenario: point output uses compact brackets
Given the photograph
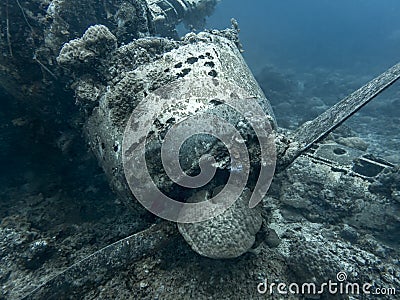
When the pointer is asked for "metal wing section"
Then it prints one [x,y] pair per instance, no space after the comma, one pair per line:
[315,130]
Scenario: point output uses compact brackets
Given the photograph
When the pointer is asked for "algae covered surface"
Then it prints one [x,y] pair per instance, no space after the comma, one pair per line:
[71,74]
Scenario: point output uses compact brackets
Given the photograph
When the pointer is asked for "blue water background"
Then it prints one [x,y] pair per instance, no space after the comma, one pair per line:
[360,35]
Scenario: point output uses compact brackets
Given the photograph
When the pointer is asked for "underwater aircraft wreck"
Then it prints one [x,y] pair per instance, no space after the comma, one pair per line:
[135,84]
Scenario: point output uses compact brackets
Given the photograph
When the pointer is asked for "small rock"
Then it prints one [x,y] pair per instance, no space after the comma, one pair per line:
[38,252]
[349,233]
[272,239]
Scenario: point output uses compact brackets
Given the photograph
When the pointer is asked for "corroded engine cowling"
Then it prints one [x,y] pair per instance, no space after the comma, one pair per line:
[203,73]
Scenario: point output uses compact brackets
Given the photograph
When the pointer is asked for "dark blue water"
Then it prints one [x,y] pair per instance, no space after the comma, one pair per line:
[358,35]
[322,50]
